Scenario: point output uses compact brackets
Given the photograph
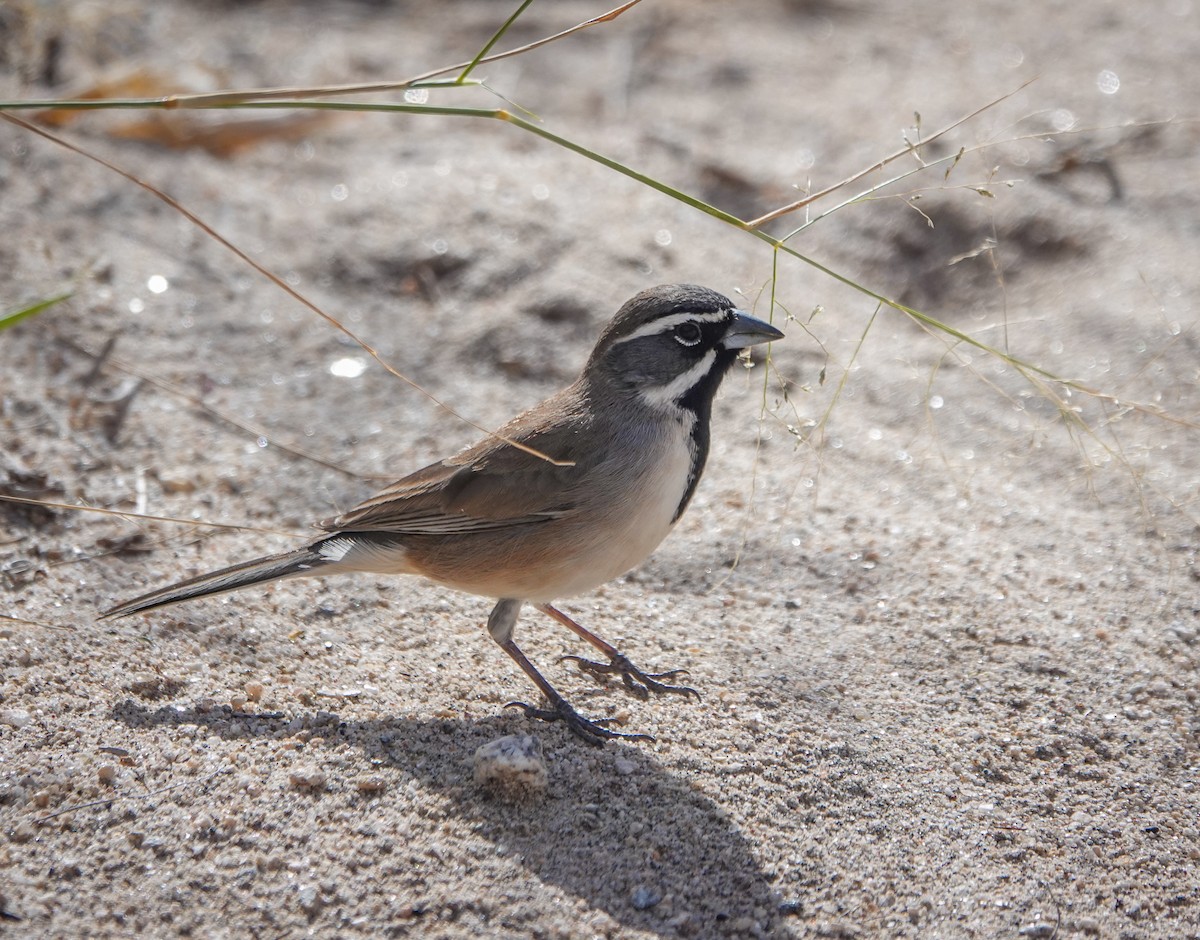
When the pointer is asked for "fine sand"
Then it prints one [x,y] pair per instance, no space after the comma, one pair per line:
[943,615]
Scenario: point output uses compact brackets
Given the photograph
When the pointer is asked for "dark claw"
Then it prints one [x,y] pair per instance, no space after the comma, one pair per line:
[594,732]
[637,683]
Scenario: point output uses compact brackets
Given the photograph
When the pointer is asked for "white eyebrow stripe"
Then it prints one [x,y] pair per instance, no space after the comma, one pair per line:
[669,394]
[662,324]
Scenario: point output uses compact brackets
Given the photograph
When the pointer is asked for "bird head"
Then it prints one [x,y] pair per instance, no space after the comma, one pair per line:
[671,345]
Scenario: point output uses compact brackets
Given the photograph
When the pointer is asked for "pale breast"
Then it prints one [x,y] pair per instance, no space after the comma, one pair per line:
[642,496]
[623,510]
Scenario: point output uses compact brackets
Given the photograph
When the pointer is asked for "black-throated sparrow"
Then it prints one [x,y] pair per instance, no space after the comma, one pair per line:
[628,441]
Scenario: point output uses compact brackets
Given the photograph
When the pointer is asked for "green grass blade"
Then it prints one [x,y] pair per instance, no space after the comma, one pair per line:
[12,319]
[495,39]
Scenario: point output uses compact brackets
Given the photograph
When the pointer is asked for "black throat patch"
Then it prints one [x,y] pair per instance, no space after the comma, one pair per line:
[697,403]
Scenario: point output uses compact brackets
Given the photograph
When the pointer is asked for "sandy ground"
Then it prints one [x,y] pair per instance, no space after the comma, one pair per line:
[946,634]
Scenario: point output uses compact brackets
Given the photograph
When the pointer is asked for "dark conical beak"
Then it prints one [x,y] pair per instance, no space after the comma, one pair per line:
[746,331]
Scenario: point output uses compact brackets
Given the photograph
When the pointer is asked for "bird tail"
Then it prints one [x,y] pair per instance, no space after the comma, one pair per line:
[298,563]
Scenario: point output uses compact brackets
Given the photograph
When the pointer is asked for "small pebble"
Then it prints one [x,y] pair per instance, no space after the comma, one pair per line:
[838,930]
[644,897]
[1184,632]
[373,784]
[1040,929]
[310,899]
[69,867]
[175,483]
[513,763]
[15,717]
[624,766]
[107,773]
[307,777]
[254,691]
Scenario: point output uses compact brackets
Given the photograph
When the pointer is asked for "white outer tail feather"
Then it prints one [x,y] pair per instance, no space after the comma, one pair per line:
[296,564]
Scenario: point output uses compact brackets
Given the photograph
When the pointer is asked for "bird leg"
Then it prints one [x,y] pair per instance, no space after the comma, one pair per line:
[500,625]
[637,683]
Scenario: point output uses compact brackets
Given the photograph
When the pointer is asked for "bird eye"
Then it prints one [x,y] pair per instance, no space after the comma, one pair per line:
[687,334]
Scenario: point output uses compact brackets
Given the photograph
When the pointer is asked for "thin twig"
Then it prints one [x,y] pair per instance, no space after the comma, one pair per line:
[132,796]
[223,99]
[4,497]
[104,358]
[907,149]
[279,282]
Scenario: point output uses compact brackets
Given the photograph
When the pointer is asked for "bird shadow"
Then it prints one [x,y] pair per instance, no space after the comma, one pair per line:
[616,828]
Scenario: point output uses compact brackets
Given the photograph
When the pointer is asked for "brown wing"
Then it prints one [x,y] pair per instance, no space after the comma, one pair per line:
[488,486]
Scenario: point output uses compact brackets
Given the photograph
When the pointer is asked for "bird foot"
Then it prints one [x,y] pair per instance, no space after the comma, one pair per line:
[592,731]
[639,684]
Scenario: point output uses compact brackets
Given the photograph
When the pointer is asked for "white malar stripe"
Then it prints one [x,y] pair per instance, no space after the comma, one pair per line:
[662,324]
[662,396]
